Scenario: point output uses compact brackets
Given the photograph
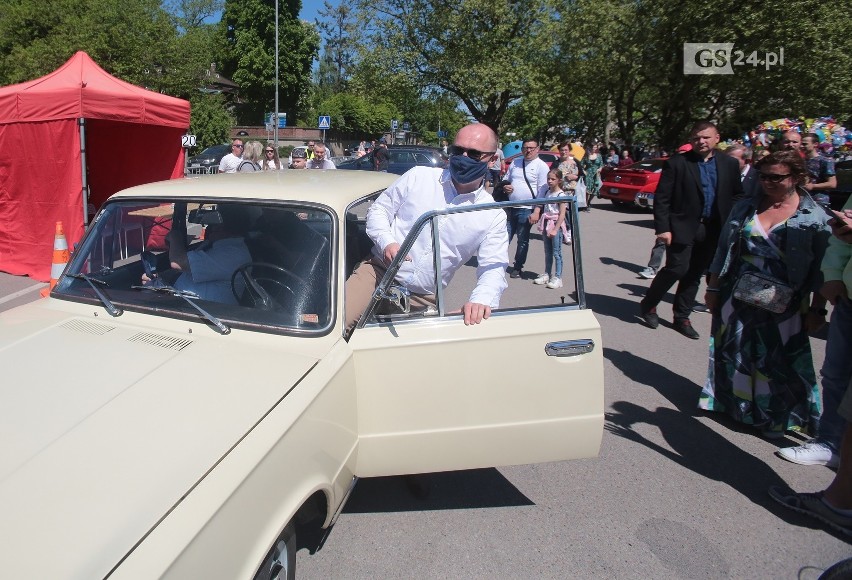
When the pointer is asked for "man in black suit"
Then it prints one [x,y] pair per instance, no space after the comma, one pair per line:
[692,202]
[748,174]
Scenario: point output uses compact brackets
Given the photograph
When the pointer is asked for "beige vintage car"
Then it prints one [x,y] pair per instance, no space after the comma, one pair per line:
[187,428]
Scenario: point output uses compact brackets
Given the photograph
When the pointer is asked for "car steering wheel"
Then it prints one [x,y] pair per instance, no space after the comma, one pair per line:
[266,297]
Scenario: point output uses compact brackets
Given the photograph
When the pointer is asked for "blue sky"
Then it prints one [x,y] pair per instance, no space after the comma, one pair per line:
[311,8]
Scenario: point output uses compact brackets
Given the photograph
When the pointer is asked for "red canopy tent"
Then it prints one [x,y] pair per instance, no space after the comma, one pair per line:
[68,141]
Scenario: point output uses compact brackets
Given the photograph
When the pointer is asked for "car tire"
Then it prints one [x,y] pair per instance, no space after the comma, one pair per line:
[280,562]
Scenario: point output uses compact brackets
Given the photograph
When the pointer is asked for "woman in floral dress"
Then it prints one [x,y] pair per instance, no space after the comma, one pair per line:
[761,370]
[592,165]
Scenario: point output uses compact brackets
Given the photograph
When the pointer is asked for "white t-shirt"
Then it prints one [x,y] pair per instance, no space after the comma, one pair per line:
[317,164]
[536,171]
[229,163]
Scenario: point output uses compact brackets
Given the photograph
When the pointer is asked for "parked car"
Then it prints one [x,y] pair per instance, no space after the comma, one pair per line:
[152,432]
[549,157]
[645,200]
[401,159]
[210,157]
[621,185]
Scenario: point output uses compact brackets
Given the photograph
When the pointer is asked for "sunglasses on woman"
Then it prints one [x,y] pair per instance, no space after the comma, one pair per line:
[774,177]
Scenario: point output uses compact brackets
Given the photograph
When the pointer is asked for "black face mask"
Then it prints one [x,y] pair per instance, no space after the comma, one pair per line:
[465,170]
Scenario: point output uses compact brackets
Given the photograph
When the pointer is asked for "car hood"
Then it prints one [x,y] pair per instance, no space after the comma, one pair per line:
[106,426]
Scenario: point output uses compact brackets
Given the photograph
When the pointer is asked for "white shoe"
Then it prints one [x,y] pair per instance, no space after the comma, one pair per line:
[554,283]
[648,273]
[811,453]
[543,279]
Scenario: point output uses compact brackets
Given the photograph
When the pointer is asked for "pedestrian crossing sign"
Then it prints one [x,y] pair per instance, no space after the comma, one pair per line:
[325,122]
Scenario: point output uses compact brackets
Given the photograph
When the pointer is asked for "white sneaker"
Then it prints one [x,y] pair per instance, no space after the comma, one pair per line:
[543,279]
[811,453]
[648,273]
[554,283]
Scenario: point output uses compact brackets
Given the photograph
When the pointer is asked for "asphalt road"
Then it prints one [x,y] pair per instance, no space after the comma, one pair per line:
[675,492]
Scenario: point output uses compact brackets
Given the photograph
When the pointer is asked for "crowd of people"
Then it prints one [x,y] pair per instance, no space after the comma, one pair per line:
[253,156]
[773,254]
[752,225]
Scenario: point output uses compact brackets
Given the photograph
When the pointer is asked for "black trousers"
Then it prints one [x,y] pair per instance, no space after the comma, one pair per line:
[685,264]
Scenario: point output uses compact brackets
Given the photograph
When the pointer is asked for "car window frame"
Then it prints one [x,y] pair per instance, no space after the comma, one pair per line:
[368,317]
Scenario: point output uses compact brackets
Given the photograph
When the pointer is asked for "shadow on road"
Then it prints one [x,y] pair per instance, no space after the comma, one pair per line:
[473,488]
[694,445]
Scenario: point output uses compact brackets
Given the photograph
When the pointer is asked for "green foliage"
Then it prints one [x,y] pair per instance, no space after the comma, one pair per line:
[341,38]
[211,122]
[248,57]
[436,44]
[354,114]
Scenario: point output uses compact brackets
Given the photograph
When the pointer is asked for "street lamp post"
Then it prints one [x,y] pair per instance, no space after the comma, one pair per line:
[275,138]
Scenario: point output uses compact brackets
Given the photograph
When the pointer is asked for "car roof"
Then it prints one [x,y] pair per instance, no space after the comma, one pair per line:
[337,189]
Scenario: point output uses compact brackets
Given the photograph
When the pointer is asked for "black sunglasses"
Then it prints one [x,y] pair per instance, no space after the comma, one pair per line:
[774,177]
[240,146]
[472,153]
[270,150]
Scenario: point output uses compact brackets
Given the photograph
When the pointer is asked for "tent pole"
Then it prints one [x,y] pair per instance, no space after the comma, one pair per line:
[81,122]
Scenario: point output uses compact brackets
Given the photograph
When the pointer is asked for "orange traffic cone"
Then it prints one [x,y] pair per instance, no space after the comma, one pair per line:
[60,258]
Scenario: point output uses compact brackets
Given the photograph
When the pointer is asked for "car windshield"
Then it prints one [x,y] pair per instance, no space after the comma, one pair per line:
[256,265]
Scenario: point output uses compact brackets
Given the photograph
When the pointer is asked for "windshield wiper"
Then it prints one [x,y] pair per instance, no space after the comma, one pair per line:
[110,307]
[187,296]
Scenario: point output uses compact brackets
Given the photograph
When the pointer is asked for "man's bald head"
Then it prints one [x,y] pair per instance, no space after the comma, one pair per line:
[481,134]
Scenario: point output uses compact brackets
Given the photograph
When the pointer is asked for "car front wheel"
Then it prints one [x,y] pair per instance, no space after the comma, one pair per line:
[280,562]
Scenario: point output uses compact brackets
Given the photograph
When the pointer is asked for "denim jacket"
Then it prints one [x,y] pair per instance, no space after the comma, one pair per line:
[807,238]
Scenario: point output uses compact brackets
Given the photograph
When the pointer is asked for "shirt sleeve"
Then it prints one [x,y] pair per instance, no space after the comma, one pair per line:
[493,259]
[541,180]
[837,256]
[382,212]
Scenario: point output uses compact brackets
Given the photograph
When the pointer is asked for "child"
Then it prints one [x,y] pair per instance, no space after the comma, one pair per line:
[552,226]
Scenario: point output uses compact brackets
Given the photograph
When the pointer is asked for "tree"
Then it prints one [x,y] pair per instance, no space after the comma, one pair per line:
[211,122]
[433,42]
[248,42]
[126,39]
[339,30]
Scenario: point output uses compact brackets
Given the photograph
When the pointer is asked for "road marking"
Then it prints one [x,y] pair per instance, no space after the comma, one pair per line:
[20,293]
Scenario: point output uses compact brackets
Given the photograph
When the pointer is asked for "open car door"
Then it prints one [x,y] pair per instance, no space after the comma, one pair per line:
[524,386]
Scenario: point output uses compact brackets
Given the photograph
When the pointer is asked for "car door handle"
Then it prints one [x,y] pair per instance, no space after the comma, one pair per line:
[570,347]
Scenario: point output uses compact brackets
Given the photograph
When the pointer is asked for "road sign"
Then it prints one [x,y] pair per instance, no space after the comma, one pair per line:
[282,120]
[406,126]
[442,133]
[187,140]
[325,122]
[394,124]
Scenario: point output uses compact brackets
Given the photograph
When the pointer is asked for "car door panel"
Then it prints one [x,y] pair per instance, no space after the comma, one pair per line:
[436,395]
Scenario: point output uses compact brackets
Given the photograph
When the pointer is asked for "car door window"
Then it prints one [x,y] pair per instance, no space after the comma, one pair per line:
[455,288]
[423,159]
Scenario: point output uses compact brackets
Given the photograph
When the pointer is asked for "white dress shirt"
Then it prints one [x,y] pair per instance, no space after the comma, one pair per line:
[536,171]
[479,233]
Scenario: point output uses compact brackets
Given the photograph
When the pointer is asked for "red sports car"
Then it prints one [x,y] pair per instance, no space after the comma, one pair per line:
[621,185]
